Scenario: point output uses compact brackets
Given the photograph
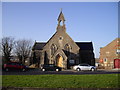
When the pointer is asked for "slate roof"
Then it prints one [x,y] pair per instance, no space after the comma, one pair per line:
[38,45]
[85,45]
[82,45]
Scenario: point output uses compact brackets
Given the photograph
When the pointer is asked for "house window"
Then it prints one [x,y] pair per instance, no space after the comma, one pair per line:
[105,59]
[53,49]
[118,51]
[72,61]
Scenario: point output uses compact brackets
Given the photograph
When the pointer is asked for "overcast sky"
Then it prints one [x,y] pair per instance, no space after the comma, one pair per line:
[85,21]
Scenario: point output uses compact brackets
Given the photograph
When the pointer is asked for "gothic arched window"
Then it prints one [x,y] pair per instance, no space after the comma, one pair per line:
[67,49]
[53,49]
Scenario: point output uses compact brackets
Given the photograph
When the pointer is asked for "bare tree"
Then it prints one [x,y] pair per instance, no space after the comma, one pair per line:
[7,47]
[23,49]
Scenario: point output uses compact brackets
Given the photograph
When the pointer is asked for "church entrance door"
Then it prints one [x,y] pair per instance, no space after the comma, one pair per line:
[59,61]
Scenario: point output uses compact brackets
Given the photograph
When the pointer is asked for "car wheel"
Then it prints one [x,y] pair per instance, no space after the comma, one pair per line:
[92,69]
[23,69]
[57,70]
[43,69]
[7,69]
[78,69]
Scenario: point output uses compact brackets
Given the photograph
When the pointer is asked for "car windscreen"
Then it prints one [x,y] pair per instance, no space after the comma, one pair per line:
[84,65]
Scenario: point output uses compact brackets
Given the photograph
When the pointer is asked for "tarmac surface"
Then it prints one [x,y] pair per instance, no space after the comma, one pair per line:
[63,72]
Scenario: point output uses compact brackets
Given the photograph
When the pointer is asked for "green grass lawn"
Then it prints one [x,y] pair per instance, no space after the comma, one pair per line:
[61,81]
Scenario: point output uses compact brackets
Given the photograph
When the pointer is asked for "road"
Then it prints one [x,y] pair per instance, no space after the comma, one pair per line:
[64,72]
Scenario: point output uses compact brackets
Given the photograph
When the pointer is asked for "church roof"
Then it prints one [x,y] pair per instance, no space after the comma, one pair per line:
[85,45]
[38,45]
[82,45]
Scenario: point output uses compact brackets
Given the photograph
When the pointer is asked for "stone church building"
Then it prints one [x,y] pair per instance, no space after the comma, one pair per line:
[61,50]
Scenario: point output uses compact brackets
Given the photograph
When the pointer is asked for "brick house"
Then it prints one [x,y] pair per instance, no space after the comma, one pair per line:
[61,50]
[110,55]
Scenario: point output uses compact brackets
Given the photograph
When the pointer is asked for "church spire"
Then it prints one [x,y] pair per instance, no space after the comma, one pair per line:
[61,21]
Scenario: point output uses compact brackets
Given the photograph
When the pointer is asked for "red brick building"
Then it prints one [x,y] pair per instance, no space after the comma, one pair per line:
[110,55]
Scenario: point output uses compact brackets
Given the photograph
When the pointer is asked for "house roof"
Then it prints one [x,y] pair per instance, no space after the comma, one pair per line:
[82,45]
[117,40]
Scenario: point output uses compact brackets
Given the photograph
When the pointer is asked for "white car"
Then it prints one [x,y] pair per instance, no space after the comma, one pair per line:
[81,67]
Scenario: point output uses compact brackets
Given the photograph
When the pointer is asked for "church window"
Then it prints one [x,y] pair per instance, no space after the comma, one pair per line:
[53,49]
[67,49]
[60,38]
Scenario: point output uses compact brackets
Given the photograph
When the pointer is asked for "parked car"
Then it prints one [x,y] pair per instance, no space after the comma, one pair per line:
[50,67]
[14,66]
[84,66]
